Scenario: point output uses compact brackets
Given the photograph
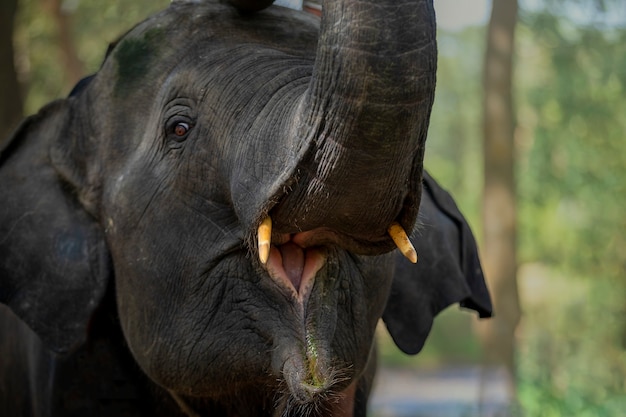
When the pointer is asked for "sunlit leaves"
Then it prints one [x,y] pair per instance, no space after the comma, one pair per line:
[571,181]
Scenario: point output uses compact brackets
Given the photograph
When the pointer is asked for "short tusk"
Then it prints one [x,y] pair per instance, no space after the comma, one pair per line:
[264,237]
[402,241]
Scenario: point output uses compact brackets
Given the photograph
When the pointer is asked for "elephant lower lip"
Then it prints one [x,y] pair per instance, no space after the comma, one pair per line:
[294,268]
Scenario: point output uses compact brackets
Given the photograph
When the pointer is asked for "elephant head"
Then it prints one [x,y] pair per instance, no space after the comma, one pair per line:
[234,176]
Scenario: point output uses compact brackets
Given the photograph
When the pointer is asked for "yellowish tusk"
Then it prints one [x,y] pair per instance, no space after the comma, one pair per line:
[264,237]
[402,241]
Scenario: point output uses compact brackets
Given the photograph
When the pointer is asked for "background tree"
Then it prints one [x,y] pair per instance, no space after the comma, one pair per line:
[499,197]
[11,97]
[73,66]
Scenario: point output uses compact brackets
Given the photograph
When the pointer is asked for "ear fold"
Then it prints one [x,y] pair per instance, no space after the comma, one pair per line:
[53,261]
[448,272]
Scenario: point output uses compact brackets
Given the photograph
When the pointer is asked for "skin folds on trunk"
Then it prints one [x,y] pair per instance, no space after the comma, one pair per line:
[365,116]
[363,120]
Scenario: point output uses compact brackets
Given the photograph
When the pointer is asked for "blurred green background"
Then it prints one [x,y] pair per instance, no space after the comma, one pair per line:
[570,152]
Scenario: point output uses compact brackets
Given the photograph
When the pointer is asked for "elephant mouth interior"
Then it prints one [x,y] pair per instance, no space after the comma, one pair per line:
[294,266]
[293,259]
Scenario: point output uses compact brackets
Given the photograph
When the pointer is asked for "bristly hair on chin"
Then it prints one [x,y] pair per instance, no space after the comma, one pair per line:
[321,405]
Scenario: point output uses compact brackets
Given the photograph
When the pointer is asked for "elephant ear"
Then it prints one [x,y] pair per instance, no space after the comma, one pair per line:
[54,264]
[448,272]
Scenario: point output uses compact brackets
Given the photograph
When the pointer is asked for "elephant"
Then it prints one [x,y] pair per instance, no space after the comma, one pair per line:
[207,225]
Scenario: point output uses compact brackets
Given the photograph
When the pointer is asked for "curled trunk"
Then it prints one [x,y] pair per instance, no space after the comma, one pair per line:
[365,115]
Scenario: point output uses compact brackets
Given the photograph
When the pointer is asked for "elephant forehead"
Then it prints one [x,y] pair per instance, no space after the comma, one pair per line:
[166,38]
[134,57]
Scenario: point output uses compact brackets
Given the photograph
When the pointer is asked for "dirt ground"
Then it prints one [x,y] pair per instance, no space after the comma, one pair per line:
[448,392]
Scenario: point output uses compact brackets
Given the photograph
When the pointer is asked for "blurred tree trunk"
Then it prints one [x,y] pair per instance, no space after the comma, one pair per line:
[499,208]
[11,98]
[74,68]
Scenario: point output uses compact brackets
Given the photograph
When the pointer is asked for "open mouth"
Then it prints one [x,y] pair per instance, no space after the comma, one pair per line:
[293,266]
[293,260]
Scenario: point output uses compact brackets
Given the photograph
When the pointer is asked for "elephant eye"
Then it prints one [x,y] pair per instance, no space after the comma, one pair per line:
[181,129]
[178,128]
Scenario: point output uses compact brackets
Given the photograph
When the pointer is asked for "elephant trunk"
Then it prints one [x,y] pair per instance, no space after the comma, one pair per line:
[365,116]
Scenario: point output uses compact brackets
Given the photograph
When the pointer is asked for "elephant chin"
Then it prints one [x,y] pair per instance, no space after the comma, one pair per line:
[314,388]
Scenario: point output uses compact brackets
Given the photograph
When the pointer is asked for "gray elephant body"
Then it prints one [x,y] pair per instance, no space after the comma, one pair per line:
[127,226]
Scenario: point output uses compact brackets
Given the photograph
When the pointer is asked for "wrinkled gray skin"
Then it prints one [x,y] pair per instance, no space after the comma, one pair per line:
[129,217]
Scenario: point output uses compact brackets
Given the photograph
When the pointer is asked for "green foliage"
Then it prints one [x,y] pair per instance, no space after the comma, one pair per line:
[94,23]
[37,59]
[570,93]
[571,180]
[572,359]
[571,171]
